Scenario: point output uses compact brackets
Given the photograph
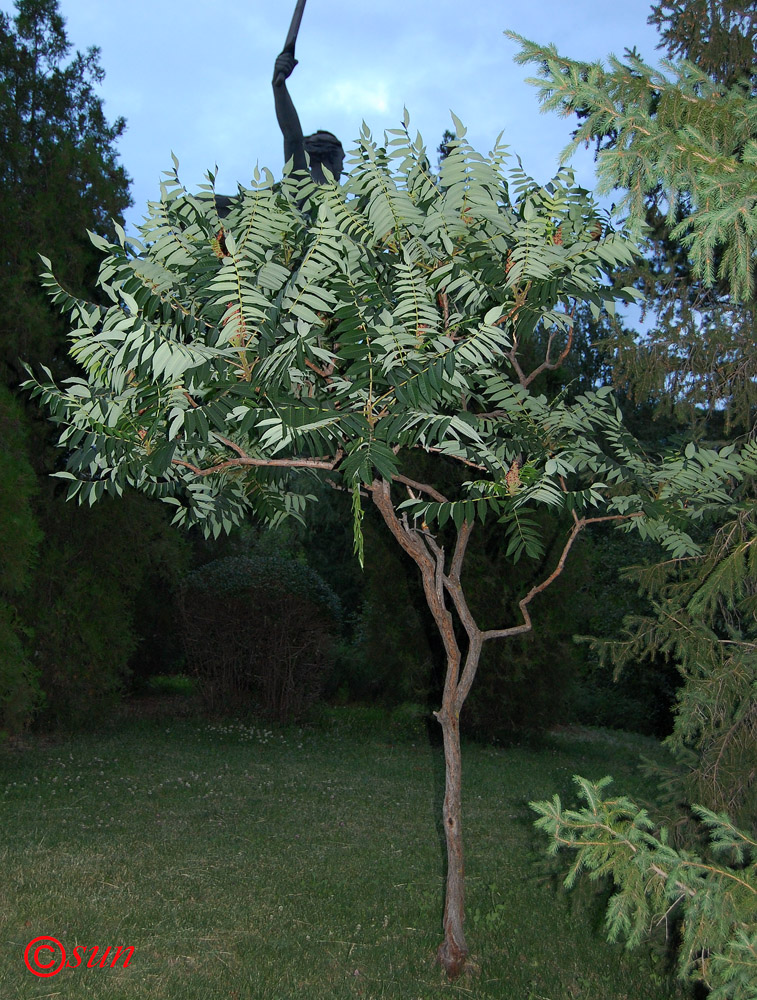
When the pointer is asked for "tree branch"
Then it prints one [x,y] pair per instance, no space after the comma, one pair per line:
[458,555]
[547,364]
[457,458]
[408,540]
[325,373]
[578,526]
[421,487]
[245,461]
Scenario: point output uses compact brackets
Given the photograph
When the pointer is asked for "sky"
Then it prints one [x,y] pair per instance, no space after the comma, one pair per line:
[194,78]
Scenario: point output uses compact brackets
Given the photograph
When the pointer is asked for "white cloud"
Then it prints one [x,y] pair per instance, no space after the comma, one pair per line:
[357,97]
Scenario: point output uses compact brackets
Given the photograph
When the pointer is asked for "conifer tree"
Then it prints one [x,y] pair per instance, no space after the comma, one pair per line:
[60,176]
[59,173]
[680,144]
[720,36]
[673,130]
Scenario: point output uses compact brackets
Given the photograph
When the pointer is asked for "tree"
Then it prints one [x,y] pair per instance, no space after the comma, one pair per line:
[681,143]
[720,36]
[340,330]
[704,620]
[675,130]
[657,139]
[59,177]
[57,162]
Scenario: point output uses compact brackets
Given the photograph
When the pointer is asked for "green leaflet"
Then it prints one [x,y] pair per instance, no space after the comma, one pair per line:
[357,524]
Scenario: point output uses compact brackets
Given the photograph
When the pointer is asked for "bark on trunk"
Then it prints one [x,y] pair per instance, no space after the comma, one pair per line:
[429,558]
[438,586]
[453,951]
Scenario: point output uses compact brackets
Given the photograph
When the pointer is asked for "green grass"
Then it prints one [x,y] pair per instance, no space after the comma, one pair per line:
[243,861]
[178,684]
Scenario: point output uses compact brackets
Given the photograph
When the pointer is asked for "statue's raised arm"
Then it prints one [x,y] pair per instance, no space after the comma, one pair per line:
[322,148]
[286,113]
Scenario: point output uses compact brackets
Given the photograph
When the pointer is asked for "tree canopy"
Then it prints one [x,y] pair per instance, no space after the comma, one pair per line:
[390,314]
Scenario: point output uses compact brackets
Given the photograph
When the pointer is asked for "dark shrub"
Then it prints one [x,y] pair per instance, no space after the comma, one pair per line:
[258,632]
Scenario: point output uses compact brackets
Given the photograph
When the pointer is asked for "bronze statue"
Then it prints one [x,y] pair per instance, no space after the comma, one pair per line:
[323,148]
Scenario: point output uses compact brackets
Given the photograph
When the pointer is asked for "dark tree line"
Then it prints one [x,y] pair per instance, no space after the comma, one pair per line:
[69,622]
[681,634]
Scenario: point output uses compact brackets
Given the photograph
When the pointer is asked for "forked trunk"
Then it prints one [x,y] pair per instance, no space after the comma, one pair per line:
[437,584]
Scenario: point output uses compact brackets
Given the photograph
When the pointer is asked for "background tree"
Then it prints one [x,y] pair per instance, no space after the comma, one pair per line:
[336,331]
[20,693]
[720,36]
[675,129]
[681,144]
[67,624]
[58,162]
[700,353]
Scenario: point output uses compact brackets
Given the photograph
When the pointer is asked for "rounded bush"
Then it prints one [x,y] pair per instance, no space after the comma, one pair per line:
[259,632]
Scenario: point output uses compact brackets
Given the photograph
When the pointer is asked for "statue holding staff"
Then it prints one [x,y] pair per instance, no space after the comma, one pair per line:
[322,148]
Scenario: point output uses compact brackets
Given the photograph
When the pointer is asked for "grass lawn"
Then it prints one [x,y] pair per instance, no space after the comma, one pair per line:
[248,863]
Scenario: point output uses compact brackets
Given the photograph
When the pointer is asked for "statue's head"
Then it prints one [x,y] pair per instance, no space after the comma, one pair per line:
[324,150]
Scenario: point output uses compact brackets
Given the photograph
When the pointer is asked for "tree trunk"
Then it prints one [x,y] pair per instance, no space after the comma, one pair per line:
[429,557]
[439,585]
[453,950]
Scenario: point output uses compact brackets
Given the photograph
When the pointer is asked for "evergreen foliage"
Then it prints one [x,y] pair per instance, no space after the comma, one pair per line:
[698,358]
[710,896]
[80,611]
[703,618]
[17,490]
[59,173]
[720,36]
[675,130]
[695,359]
[69,624]
[681,143]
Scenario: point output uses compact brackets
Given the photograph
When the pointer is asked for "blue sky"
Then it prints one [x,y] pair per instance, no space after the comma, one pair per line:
[194,78]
